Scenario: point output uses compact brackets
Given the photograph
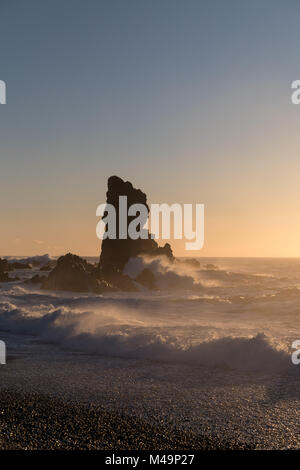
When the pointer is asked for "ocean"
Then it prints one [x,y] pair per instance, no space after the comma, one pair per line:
[210,350]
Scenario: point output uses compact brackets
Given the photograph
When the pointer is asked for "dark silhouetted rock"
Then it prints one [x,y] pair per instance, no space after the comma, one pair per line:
[47,267]
[3,270]
[122,282]
[73,273]
[4,267]
[115,253]
[165,250]
[36,279]
[147,279]
[17,265]
[4,277]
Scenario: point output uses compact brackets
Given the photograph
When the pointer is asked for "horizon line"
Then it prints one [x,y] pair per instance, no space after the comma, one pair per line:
[179,256]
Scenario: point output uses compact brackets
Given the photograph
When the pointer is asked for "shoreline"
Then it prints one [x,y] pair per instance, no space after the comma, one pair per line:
[214,405]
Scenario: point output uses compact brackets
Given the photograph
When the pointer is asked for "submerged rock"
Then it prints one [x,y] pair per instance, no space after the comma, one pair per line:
[115,253]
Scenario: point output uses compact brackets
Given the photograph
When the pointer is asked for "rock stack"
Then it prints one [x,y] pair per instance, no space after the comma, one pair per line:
[115,253]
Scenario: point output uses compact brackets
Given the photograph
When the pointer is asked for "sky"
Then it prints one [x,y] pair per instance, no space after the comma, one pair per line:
[189,100]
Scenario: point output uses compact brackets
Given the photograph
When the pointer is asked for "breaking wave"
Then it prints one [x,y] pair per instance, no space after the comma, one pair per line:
[117,333]
[202,316]
[186,275]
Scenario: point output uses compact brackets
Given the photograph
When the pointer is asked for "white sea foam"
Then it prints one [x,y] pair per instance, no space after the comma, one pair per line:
[114,330]
[238,324]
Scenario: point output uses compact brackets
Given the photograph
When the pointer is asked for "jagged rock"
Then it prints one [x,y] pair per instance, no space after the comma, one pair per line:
[47,267]
[115,253]
[147,279]
[36,279]
[165,250]
[73,273]
[122,282]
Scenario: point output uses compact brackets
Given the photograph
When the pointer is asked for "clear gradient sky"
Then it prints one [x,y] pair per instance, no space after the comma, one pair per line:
[188,99]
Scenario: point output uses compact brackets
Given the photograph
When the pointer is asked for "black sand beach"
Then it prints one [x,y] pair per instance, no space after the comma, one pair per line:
[39,422]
